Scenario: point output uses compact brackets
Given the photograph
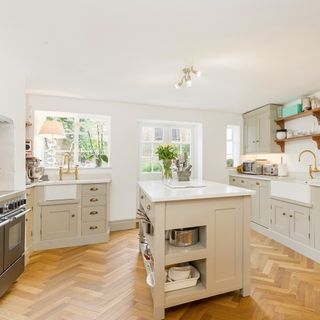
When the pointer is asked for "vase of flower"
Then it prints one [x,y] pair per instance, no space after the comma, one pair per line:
[166,154]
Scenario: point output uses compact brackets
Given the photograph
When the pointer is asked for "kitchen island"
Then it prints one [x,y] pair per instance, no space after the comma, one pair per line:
[222,255]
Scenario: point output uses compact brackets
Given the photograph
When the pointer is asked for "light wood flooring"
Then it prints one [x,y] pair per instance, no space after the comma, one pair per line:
[107,281]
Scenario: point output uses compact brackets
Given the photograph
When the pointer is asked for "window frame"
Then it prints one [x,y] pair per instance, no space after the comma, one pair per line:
[168,126]
[236,145]
[40,116]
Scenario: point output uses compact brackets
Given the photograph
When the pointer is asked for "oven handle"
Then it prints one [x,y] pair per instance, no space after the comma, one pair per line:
[14,217]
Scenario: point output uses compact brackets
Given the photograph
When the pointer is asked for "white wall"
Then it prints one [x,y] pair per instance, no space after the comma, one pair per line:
[124,138]
[12,105]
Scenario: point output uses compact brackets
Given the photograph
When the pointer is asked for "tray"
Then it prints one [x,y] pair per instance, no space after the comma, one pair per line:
[182,284]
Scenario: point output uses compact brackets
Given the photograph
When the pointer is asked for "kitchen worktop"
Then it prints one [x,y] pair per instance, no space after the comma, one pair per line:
[299,178]
[157,191]
[65,182]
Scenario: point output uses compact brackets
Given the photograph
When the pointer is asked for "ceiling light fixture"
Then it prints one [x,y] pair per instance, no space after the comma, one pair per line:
[187,77]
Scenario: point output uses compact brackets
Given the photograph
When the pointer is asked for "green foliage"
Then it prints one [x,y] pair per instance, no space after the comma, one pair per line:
[167,152]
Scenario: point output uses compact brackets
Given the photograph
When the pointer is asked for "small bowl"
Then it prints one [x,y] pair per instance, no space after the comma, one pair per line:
[179,273]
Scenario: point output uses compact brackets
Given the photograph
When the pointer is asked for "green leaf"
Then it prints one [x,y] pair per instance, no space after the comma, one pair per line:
[104,158]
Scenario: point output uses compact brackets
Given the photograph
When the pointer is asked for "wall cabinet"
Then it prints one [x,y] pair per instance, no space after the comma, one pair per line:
[59,221]
[260,130]
[291,220]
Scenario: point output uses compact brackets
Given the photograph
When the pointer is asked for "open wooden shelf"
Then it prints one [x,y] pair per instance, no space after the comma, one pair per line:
[175,255]
[314,137]
[181,296]
[313,112]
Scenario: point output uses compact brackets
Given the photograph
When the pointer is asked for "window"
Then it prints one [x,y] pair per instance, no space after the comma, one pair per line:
[233,146]
[86,137]
[152,135]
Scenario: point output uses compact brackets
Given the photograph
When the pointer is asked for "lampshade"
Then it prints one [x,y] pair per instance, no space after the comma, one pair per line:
[52,129]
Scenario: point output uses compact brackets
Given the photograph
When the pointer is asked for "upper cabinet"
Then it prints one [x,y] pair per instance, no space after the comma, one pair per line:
[260,130]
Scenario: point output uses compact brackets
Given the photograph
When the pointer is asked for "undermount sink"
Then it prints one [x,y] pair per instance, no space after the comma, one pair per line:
[296,190]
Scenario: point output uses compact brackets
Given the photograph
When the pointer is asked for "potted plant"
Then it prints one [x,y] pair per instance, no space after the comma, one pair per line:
[98,152]
[167,153]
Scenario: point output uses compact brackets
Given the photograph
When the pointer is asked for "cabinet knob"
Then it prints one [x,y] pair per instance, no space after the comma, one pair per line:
[233,180]
[258,183]
[94,189]
[242,181]
[93,227]
[141,197]
[93,213]
[93,200]
[291,216]
[148,207]
[73,215]
[253,142]
[257,141]
[283,213]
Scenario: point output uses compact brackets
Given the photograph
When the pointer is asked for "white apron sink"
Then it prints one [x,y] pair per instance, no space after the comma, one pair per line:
[291,190]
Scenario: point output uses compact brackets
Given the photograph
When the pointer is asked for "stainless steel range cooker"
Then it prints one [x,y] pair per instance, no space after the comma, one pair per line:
[12,237]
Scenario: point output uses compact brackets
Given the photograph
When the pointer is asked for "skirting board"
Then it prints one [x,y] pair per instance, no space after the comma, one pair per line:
[309,252]
[118,225]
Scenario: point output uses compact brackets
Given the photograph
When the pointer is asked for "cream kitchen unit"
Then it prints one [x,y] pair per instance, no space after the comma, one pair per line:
[294,223]
[222,255]
[260,130]
[70,213]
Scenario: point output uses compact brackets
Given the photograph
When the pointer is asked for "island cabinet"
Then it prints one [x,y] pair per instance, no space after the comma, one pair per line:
[29,224]
[221,256]
[71,215]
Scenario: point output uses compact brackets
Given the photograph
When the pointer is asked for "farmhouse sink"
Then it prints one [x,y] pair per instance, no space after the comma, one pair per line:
[60,192]
[297,190]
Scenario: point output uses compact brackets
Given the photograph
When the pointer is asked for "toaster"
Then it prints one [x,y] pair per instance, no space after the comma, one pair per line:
[270,169]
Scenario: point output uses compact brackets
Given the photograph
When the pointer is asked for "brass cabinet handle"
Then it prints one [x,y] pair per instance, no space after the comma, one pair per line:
[93,213]
[291,216]
[94,200]
[257,183]
[93,227]
[283,213]
[94,189]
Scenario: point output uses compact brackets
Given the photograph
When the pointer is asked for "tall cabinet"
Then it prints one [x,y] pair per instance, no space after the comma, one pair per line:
[260,130]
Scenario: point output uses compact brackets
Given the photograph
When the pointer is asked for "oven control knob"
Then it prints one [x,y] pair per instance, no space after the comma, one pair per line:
[2,208]
[11,206]
[24,201]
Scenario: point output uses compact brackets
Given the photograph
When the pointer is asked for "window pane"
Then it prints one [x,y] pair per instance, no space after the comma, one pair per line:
[156,167]
[186,135]
[146,167]
[147,149]
[229,134]
[186,149]
[147,134]
[175,134]
[229,147]
[158,134]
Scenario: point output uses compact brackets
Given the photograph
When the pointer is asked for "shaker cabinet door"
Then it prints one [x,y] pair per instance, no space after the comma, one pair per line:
[250,132]
[299,223]
[59,221]
[280,217]
[263,133]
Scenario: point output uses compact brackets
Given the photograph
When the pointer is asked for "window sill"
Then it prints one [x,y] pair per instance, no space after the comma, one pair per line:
[81,169]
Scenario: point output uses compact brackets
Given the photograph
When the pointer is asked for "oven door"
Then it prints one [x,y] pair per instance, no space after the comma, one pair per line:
[1,249]
[14,237]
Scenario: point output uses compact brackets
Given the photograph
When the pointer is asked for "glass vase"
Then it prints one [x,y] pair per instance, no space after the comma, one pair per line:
[167,170]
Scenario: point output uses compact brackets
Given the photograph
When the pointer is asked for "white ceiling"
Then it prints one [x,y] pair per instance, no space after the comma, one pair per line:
[250,52]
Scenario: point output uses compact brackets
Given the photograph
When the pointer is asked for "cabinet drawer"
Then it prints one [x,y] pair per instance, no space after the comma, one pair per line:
[93,227]
[94,189]
[94,200]
[95,213]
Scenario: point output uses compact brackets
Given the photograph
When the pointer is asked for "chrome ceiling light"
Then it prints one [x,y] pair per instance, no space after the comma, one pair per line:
[187,77]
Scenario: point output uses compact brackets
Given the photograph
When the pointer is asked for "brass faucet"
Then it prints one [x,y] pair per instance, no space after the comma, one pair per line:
[69,170]
[315,169]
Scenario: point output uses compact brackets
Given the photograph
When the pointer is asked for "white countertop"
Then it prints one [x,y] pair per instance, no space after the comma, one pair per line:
[64,182]
[296,179]
[157,191]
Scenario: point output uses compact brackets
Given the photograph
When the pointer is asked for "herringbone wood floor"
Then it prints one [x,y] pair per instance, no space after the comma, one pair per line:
[107,281]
